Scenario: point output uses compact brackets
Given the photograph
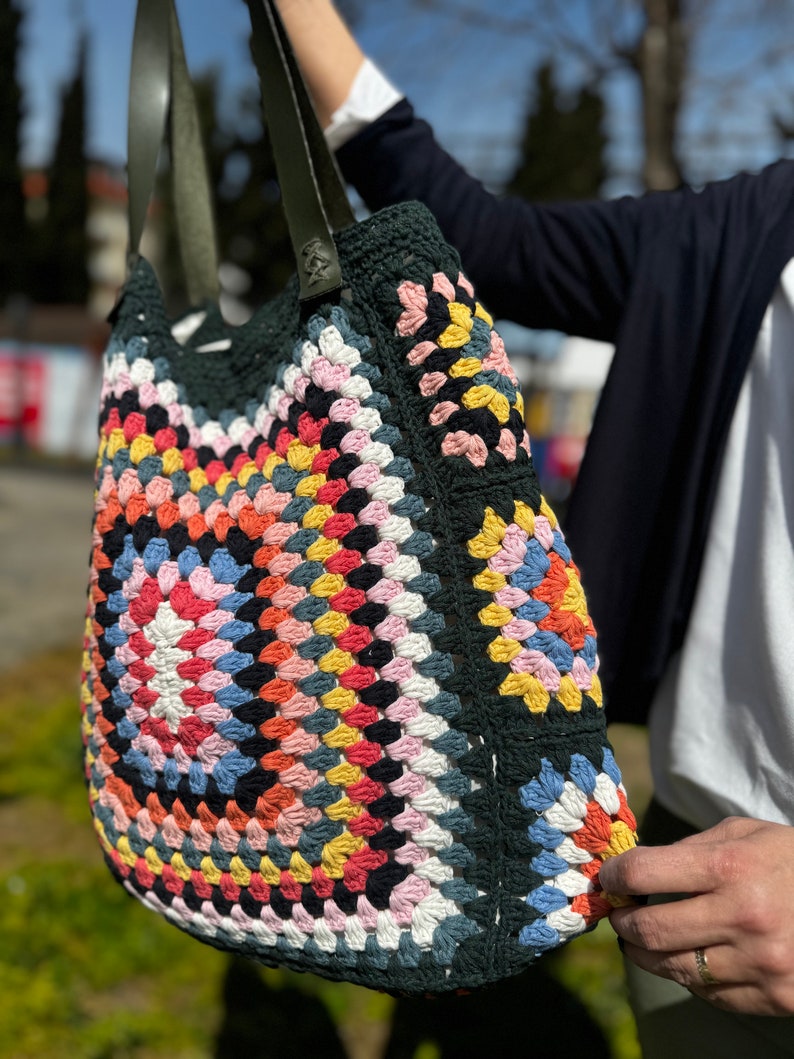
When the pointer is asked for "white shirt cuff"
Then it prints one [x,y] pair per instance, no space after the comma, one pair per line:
[371,95]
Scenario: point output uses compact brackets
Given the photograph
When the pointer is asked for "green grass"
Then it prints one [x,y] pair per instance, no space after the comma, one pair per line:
[88,973]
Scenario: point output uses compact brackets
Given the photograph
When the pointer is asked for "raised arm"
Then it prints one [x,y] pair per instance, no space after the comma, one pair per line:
[327,52]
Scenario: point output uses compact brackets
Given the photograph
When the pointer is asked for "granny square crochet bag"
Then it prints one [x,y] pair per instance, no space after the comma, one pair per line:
[341,703]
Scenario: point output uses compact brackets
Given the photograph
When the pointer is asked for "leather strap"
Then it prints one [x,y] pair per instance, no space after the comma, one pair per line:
[313,194]
[193,199]
[330,185]
[147,112]
[159,86]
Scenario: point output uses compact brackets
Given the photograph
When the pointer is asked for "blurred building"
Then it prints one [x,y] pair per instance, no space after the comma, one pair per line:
[107,236]
[49,354]
[49,378]
[561,378]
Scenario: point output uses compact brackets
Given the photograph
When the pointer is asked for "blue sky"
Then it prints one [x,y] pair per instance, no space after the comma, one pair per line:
[469,81]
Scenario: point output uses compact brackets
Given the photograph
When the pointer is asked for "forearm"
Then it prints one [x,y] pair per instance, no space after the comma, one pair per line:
[327,52]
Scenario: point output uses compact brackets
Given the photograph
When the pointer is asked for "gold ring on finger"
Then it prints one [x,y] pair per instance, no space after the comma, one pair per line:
[706,977]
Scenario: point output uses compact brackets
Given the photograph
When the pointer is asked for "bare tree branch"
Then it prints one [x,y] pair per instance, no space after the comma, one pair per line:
[546,24]
[681,53]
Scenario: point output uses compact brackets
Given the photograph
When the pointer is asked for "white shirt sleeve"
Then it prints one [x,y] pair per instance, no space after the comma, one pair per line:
[371,95]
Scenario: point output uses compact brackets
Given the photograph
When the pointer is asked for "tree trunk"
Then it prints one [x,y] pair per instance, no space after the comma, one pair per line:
[661,62]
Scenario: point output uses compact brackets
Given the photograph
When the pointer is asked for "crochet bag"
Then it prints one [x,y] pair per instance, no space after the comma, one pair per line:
[341,703]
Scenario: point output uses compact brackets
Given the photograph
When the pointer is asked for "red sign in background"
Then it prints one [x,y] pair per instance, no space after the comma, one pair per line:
[21,396]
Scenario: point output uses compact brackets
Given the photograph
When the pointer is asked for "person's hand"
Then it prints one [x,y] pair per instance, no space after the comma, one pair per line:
[738,913]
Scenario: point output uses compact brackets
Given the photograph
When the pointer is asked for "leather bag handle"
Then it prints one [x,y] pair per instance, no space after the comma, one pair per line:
[315,202]
[160,86]
[313,195]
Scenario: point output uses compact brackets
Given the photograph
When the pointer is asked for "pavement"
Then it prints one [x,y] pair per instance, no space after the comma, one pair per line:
[45,536]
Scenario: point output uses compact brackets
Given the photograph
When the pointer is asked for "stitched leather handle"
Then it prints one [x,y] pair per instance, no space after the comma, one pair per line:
[315,202]
[313,195]
[160,85]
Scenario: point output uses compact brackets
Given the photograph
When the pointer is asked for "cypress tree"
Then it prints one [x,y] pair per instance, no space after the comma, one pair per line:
[63,269]
[585,128]
[562,148]
[14,245]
